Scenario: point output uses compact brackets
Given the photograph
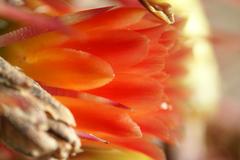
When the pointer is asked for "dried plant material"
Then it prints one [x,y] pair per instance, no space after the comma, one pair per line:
[31,121]
[161,10]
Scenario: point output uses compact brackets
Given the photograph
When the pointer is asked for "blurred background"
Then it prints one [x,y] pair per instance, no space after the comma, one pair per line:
[224,19]
[223,133]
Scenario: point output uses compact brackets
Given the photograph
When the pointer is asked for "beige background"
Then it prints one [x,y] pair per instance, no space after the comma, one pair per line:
[224,18]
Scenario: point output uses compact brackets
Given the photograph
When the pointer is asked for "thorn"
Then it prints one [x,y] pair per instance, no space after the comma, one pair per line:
[161,10]
[91,137]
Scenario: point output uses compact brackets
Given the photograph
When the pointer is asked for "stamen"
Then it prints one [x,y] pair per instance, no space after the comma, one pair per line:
[160,10]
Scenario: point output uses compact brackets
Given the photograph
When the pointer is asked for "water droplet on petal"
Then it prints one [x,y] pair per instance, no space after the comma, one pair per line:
[165,106]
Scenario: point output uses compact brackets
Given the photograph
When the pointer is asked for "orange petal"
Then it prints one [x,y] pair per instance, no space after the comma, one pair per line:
[132,90]
[83,95]
[114,19]
[66,68]
[175,63]
[153,33]
[149,66]
[130,3]
[59,5]
[97,151]
[121,48]
[101,117]
[169,38]
[161,77]
[164,122]
[141,145]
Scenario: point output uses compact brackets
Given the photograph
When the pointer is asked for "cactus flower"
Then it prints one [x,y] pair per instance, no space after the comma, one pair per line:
[116,69]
